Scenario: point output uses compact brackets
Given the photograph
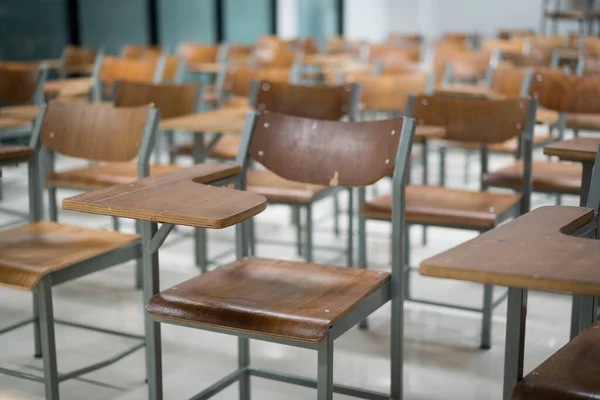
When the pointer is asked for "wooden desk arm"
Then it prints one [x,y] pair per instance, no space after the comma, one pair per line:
[532,252]
[14,154]
[179,198]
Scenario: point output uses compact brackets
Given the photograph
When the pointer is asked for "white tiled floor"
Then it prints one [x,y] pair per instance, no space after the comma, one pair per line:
[443,360]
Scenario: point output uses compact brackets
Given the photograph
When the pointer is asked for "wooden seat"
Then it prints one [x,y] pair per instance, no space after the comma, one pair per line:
[590,122]
[12,123]
[29,252]
[546,117]
[510,146]
[102,175]
[277,189]
[9,152]
[287,299]
[443,206]
[572,373]
[548,176]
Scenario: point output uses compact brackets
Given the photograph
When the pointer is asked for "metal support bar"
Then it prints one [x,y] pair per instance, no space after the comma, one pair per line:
[219,386]
[16,326]
[312,383]
[160,237]
[101,330]
[516,316]
[22,375]
[100,364]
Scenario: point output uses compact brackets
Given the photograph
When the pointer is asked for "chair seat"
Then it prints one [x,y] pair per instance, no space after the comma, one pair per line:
[286,299]
[589,122]
[553,177]
[29,252]
[13,123]
[226,148]
[546,117]
[102,175]
[437,205]
[279,190]
[510,146]
[572,373]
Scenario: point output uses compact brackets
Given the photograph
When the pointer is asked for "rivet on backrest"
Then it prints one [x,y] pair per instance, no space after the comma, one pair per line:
[424,102]
[261,153]
[387,160]
[261,107]
[265,86]
[539,77]
[393,132]
[266,124]
[518,126]
[51,135]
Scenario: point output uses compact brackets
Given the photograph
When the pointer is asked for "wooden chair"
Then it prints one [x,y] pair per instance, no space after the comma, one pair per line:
[194,52]
[453,63]
[42,254]
[315,102]
[481,121]
[339,45]
[172,100]
[405,39]
[233,88]
[109,70]
[297,303]
[508,34]
[508,81]
[276,58]
[77,60]
[564,94]
[137,51]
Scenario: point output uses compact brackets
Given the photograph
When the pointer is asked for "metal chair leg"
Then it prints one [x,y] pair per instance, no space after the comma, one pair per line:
[350,250]
[325,369]
[406,261]
[576,132]
[37,338]
[244,362]
[251,236]
[139,263]
[296,216]
[116,222]
[52,208]
[201,250]
[442,166]
[486,322]
[46,317]
[362,244]
[467,169]
[336,215]
[309,233]
[169,138]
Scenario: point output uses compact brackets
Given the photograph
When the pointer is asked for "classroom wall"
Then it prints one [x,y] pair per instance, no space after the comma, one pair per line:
[186,20]
[27,32]
[246,20]
[112,23]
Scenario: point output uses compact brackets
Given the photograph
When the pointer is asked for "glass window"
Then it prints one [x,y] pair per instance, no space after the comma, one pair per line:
[186,20]
[245,21]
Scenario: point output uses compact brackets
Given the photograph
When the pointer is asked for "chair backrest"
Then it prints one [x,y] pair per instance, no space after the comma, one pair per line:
[194,52]
[565,93]
[593,200]
[473,120]
[75,56]
[237,79]
[275,58]
[511,46]
[112,69]
[22,85]
[394,54]
[536,59]
[405,39]
[508,34]
[96,132]
[390,92]
[330,153]
[173,100]
[239,52]
[138,51]
[169,69]
[452,62]
[324,102]
[544,44]
[511,81]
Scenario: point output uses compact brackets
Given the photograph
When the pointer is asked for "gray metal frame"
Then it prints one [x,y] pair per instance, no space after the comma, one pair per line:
[43,319]
[488,303]
[153,237]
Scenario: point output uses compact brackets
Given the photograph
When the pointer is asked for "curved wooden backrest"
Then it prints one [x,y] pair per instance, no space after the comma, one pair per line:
[275,58]
[18,84]
[472,119]
[137,51]
[534,59]
[77,56]
[404,39]
[239,52]
[173,100]
[511,46]
[172,66]
[566,93]
[239,78]
[545,43]
[460,39]
[388,53]
[194,52]
[465,63]
[94,132]
[509,80]
[326,152]
[389,92]
[122,69]
[316,102]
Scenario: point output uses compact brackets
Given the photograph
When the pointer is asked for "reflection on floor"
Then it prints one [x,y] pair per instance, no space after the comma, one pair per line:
[443,360]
